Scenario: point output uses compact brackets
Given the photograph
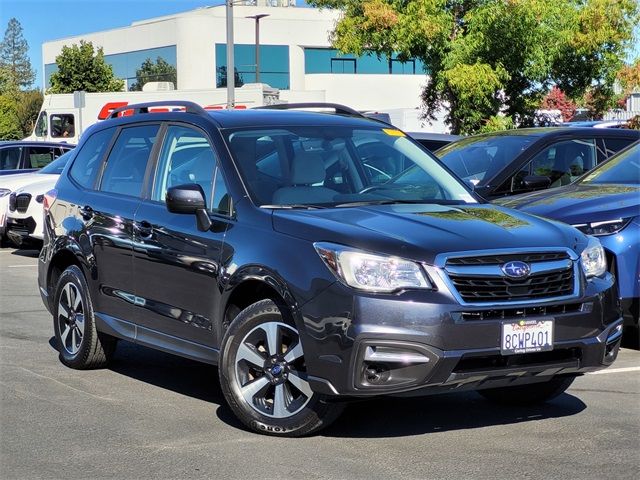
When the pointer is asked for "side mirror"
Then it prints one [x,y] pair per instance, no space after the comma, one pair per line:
[189,199]
[185,199]
[536,182]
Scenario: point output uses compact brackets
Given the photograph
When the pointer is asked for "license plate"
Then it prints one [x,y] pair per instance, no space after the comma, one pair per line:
[526,336]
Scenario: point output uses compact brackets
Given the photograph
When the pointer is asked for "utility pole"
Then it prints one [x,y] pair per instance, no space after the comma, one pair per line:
[231,71]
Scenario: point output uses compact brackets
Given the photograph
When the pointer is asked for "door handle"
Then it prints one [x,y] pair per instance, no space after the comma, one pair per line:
[143,228]
[86,212]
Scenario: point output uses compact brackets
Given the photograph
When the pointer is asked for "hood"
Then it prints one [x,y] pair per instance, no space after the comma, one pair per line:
[580,203]
[40,186]
[420,232]
[13,182]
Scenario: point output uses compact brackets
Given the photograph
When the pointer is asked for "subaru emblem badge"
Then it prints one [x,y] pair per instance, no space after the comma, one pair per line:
[516,269]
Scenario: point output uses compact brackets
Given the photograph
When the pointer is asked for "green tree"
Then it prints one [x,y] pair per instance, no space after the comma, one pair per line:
[81,67]
[487,57]
[9,124]
[158,71]
[27,109]
[13,56]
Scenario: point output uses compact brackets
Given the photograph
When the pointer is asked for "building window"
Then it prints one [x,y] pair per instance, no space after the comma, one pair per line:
[274,65]
[137,67]
[327,60]
[343,65]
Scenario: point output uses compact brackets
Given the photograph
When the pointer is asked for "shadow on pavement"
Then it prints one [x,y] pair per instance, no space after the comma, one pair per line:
[396,417]
[26,253]
[382,417]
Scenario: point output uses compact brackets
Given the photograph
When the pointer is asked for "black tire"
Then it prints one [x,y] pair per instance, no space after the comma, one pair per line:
[530,394]
[311,413]
[92,349]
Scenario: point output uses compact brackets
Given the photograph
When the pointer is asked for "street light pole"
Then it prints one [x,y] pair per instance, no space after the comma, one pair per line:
[231,71]
[257,19]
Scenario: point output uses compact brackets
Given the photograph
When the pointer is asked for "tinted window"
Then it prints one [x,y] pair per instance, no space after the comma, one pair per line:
[38,157]
[186,157]
[614,145]
[10,158]
[624,168]
[478,159]
[127,162]
[86,166]
[221,200]
[62,125]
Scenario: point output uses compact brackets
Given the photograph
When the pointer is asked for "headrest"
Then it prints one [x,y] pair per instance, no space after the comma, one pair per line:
[307,168]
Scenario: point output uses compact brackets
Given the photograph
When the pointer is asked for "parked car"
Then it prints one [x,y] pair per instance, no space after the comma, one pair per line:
[260,241]
[604,203]
[518,161]
[24,214]
[433,141]
[11,183]
[597,123]
[24,156]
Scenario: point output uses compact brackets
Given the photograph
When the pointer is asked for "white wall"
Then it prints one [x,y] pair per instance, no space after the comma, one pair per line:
[369,91]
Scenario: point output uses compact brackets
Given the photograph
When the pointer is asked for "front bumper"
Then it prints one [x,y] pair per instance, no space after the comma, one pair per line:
[418,343]
[19,230]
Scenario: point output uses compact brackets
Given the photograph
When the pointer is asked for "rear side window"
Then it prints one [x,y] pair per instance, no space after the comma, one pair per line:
[127,162]
[614,145]
[10,158]
[87,163]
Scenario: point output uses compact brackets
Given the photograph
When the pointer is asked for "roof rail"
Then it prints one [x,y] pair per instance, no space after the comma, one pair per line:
[137,108]
[339,109]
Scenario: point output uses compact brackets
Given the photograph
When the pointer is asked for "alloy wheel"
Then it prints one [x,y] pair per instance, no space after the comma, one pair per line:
[71,318]
[270,370]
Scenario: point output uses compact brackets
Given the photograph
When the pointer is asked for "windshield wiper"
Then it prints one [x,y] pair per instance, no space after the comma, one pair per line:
[365,203]
[293,206]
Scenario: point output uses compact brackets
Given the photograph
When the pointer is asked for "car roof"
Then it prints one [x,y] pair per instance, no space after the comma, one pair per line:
[224,119]
[560,131]
[434,136]
[9,143]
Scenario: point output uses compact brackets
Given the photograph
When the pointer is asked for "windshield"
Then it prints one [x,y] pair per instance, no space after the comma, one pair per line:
[338,167]
[623,168]
[56,167]
[478,159]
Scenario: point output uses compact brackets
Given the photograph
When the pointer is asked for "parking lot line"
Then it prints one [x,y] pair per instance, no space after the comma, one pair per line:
[21,266]
[616,370]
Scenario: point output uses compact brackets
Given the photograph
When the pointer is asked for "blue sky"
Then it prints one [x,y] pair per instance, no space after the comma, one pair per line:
[44,20]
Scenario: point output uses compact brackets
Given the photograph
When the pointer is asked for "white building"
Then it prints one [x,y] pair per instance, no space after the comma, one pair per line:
[295,55]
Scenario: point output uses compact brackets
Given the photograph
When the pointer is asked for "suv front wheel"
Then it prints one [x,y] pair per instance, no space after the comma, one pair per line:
[263,375]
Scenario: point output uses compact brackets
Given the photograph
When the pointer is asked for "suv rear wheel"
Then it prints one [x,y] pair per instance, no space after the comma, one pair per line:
[80,345]
[263,375]
[528,394]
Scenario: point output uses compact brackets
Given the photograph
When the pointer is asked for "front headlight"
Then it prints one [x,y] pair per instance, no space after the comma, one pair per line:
[374,273]
[594,262]
[599,229]
[4,192]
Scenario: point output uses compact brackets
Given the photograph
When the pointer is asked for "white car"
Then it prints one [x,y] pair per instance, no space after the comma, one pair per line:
[25,221]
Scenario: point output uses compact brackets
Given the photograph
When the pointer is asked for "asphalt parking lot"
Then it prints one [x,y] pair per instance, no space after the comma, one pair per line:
[152,415]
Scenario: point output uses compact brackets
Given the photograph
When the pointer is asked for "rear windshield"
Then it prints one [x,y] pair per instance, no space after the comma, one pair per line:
[332,166]
[622,168]
[477,160]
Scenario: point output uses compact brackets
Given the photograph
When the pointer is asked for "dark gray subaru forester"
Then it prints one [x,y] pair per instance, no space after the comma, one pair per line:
[314,258]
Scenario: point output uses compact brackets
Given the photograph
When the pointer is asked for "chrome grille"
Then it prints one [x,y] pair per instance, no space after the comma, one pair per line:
[480,279]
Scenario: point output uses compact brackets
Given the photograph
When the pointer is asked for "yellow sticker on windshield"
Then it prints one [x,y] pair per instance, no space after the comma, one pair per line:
[393,132]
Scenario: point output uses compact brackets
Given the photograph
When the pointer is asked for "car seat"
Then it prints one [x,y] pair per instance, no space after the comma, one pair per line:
[307,170]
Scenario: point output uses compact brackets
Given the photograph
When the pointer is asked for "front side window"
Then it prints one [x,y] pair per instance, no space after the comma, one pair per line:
[62,125]
[563,162]
[86,166]
[10,158]
[127,162]
[39,157]
[340,166]
[186,158]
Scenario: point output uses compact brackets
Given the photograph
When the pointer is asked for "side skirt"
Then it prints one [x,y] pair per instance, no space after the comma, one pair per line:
[154,339]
